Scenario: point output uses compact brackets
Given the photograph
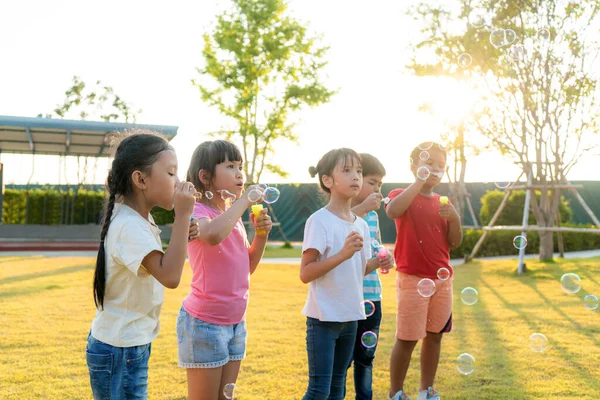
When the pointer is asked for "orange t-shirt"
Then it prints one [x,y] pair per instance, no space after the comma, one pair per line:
[421,237]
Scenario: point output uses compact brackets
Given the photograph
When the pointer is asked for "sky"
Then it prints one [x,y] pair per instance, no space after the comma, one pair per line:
[148,51]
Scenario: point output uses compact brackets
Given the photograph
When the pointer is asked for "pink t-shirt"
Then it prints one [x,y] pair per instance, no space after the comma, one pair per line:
[221,275]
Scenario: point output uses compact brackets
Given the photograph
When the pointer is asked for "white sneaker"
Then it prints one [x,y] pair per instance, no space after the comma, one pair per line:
[400,396]
[428,394]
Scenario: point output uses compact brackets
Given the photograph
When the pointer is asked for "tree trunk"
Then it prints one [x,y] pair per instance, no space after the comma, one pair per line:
[546,246]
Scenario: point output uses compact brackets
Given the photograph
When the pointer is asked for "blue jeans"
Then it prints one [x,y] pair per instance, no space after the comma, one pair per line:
[363,357]
[329,346]
[117,373]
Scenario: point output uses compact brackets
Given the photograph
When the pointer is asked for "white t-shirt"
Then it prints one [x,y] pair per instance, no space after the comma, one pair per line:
[336,296]
[133,298]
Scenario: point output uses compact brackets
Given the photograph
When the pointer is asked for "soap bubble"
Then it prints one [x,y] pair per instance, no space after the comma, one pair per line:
[570,283]
[426,287]
[208,194]
[423,173]
[538,342]
[469,296]
[502,185]
[497,38]
[543,35]
[477,18]
[520,242]
[443,274]
[254,195]
[369,339]
[229,391]
[271,195]
[590,302]
[465,364]
[465,60]
[425,146]
[424,156]
[369,307]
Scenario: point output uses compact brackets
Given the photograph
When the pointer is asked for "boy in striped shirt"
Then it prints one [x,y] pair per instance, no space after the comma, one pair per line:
[364,205]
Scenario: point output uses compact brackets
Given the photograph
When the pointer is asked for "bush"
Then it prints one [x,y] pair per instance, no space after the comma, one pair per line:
[513,211]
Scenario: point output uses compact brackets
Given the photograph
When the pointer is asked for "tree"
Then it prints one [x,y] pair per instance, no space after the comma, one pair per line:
[100,102]
[532,63]
[263,66]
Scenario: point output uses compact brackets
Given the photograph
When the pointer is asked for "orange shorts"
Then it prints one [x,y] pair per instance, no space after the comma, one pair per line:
[418,315]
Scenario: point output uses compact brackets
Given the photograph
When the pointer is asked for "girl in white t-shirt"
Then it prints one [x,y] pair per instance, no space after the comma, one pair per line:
[334,261]
[131,268]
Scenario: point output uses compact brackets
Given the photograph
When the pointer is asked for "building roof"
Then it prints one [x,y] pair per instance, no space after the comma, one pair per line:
[24,135]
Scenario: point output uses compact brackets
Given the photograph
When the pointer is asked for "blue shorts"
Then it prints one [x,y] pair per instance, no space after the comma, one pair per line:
[117,372]
[205,345]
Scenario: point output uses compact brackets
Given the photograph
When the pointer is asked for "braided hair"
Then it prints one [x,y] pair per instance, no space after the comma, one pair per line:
[137,150]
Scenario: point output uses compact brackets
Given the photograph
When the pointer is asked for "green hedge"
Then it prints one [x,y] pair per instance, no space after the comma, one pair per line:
[500,243]
[49,206]
[513,211]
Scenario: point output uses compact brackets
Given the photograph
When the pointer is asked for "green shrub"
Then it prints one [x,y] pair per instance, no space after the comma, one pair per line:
[513,211]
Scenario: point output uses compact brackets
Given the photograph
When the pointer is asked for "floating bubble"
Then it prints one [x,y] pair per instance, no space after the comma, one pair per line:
[263,186]
[517,52]
[369,339]
[229,391]
[254,195]
[375,244]
[509,36]
[543,34]
[538,342]
[469,296]
[502,185]
[590,302]
[443,274]
[369,307]
[424,156]
[425,146]
[570,283]
[477,18]
[505,61]
[426,287]
[465,60]
[423,173]
[497,38]
[520,242]
[465,364]
[227,195]
[208,194]
[271,195]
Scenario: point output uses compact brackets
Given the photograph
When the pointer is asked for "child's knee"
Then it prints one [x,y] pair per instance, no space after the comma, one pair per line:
[435,337]
[406,344]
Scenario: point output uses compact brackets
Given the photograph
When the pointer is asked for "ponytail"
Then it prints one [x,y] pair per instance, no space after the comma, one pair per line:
[100,273]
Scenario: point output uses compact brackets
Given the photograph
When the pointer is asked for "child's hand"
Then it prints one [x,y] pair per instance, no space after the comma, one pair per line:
[372,202]
[262,223]
[387,262]
[194,231]
[353,243]
[449,212]
[184,199]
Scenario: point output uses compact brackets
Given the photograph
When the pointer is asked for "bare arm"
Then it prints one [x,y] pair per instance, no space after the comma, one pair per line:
[311,269]
[213,232]
[400,203]
[455,234]
[167,267]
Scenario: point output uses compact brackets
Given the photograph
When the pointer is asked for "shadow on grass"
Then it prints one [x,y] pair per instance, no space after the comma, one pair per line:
[5,294]
[54,272]
[529,280]
[492,344]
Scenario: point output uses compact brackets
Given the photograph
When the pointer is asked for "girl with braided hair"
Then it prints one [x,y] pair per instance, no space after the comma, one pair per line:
[131,268]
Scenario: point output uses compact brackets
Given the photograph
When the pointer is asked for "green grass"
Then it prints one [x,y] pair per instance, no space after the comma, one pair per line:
[46,310]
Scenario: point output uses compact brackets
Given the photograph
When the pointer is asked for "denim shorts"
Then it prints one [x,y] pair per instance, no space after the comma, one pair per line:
[205,345]
[117,372]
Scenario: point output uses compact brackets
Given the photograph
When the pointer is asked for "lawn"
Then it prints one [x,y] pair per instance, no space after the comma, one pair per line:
[46,309]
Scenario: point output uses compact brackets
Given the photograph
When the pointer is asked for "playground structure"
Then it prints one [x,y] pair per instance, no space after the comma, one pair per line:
[62,138]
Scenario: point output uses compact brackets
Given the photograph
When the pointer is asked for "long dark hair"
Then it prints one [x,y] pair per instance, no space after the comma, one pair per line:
[136,151]
[206,156]
[327,164]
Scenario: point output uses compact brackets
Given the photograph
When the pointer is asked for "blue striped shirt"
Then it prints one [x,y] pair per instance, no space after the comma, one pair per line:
[371,283]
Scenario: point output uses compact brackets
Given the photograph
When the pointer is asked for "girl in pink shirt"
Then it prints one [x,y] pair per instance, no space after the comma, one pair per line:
[211,328]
